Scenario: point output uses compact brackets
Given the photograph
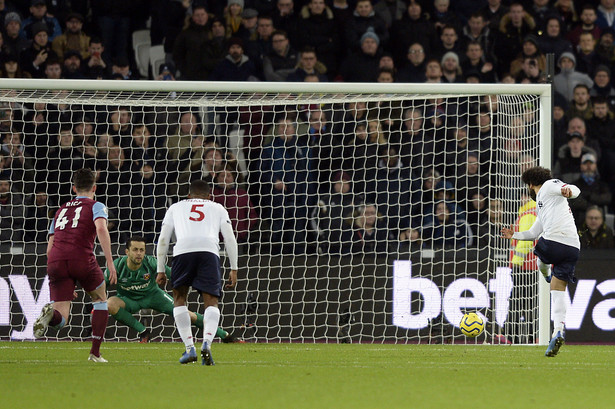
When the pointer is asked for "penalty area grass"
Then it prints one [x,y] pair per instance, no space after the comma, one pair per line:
[58,375]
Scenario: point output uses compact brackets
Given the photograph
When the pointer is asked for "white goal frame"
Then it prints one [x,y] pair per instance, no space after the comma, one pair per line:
[543,91]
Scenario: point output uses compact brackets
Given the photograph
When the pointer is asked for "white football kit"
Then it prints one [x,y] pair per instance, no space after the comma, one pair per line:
[554,217]
[197,224]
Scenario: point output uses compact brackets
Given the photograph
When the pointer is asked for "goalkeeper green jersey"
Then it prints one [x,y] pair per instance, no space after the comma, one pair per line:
[139,283]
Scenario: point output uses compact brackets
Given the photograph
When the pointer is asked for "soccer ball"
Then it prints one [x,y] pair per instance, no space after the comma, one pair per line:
[472,325]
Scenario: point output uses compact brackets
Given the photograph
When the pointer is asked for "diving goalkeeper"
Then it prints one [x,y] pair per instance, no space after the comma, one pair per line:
[137,289]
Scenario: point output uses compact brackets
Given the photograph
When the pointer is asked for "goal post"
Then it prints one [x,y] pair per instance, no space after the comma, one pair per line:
[364,212]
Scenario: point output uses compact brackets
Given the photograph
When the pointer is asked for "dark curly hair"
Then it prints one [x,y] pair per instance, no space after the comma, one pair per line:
[536,176]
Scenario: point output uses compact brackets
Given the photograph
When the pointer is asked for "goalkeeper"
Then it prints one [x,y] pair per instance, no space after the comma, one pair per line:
[137,289]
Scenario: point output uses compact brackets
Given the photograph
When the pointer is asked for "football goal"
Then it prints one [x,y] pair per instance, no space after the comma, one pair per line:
[364,212]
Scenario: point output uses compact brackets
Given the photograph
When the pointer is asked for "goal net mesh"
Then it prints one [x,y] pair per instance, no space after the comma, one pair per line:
[360,217]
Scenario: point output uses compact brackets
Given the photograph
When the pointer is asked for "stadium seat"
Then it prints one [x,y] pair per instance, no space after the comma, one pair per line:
[156,58]
[141,43]
[609,218]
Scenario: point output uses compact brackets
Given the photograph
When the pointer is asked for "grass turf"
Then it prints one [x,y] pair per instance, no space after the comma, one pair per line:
[58,375]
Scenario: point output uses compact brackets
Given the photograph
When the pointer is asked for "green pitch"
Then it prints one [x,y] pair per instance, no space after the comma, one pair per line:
[58,375]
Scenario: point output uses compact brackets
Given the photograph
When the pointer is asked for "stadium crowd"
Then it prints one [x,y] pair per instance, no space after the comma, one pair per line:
[340,178]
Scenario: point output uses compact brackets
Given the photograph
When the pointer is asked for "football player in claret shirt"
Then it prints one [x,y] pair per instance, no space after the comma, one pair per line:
[70,258]
[197,223]
[558,244]
[137,289]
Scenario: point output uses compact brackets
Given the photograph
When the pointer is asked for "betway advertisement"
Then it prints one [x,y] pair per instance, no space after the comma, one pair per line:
[394,299]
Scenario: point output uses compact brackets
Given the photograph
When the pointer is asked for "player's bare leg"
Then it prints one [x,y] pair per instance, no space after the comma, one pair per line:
[212,318]
[100,316]
[183,324]
[53,314]
[558,301]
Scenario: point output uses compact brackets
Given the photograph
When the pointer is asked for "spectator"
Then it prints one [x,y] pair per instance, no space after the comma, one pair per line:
[577,124]
[189,45]
[605,12]
[185,148]
[256,49]
[567,13]
[121,69]
[284,17]
[282,59]
[414,69]
[477,31]
[602,124]
[594,192]
[478,217]
[11,68]
[451,71]
[236,66]
[215,49]
[553,40]
[386,75]
[443,16]
[541,11]
[413,28]
[38,14]
[606,46]
[476,61]
[72,65]
[13,42]
[120,126]
[113,20]
[529,50]
[568,165]
[317,28]
[587,56]
[213,163]
[73,38]
[602,86]
[236,201]
[64,159]
[586,25]
[369,231]
[308,64]
[95,66]
[363,19]
[513,28]
[581,104]
[594,233]
[368,58]
[53,69]
[493,12]
[449,41]
[390,11]
[233,17]
[11,213]
[568,78]
[433,72]
[331,219]
[287,180]
[39,213]
[249,20]
[445,229]
[34,58]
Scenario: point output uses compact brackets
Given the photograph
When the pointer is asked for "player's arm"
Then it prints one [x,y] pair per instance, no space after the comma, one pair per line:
[105,242]
[531,234]
[161,252]
[50,235]
[570,191]
[230,245]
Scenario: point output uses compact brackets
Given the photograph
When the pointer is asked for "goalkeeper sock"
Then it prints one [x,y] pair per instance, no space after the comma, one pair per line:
[199,320]
[220,333]
[182,322]
[127,318]
[212,316]
[100,316]
[558,303]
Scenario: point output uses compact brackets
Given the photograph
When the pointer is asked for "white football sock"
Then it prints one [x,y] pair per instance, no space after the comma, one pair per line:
[558,303]
[184,326]
[545,269]
[210,325]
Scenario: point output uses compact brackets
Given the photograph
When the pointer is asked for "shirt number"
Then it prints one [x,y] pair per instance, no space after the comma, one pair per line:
[63,220]
[200,215]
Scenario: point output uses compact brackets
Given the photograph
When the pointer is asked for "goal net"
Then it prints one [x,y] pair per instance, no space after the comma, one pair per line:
[364,212]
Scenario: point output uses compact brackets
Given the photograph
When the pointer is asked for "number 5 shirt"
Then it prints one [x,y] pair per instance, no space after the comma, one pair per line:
[197,224]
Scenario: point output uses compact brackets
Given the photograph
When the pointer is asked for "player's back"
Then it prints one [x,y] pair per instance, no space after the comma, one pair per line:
[74,230]
[196,223]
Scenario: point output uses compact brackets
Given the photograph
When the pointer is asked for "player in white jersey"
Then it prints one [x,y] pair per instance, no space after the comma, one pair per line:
[197,223]
[558,244]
